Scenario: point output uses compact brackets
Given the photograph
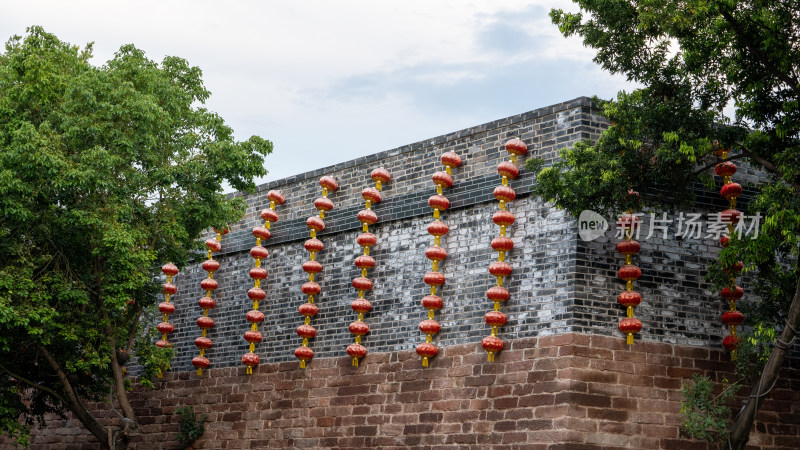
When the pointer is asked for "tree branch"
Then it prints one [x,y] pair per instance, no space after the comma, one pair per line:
[73,402]
[740,430]
[769,166]
[756,52]
[35,385]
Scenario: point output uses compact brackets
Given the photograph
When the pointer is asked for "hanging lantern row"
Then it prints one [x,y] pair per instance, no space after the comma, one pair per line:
[258,274]
[312,267]
[502,245]
[730,191]
[209,285]
[629,273]
[436,254]
[166,307]
[366,240]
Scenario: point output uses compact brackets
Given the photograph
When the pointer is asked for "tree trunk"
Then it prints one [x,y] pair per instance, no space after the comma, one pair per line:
[740,430]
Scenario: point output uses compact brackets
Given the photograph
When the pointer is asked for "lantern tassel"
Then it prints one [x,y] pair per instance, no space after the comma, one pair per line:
[249,370]
[355,362]
[302,364]
[630,338]
[425,361]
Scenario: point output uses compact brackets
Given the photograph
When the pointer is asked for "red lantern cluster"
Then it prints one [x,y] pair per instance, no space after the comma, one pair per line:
[258,273]
[629,298]
[502,245]
[209,285]
[730,191]
[313,267]
[364,262]
[166,307]
[436,253]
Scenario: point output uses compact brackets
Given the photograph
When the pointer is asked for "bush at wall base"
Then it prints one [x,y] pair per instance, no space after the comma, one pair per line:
[190,428]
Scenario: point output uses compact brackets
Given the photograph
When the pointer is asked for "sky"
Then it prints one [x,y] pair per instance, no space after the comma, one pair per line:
[330,81]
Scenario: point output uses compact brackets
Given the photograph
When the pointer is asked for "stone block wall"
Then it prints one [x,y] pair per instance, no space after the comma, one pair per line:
[562,392]
[565,380]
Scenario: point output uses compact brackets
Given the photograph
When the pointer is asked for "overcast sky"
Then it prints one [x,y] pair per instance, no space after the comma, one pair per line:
[329,81]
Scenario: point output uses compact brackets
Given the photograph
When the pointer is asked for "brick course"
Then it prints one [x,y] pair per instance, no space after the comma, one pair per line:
[565,379]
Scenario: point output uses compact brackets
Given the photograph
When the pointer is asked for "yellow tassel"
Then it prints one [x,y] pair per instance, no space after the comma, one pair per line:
[502,204]
[733,355]
[313,233]
[434,267]
[430,314]
[439,189]
[267,224]
[311,277]
[255,305]
[361,316]
[252,347]
[448,170]
[490,357]
[378,186]
[500,281]
[321,214]
[364,273]
[305,342]
[302,364]
[497,306]
[628,259]
[368,204]
[505,180]
[358,339]
[502,230]
[514,158]
[258,242]
[435,213]
[249,370]
[630,339]
[425,358]
[437,241]
[199,371]
[324,192]
[501,256]
[428,338]
[630,311]
[629,285]
[355,362]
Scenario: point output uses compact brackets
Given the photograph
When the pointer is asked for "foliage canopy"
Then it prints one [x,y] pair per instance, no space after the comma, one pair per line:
[105,174]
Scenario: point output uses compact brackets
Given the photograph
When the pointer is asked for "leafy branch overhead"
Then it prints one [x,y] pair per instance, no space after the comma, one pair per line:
[713,73]
[106,172]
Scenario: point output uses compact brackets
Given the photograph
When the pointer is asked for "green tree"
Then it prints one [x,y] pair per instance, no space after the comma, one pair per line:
[696,59]
[105,174]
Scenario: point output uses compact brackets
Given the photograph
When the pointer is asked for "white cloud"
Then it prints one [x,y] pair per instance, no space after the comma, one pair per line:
[331,81]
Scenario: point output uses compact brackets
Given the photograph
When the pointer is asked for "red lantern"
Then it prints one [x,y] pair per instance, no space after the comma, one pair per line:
[502,244]
[436,253]
[166,308]
[442,179]
[315,223]
[259,252]
[500,269]
[256,294]
[250,360]
[308,309]
[356,351]
[323,204]
[169,269]
[210,265]
[731,190]
[434,278]
[734,293]
[253,336]
[438,228]
[203,342]
[201,362]
[731,342]
[311,288]
[725,169]
[432,302]
[503,218]
[492,344]
[731,216]
[629,298]
[427,351]
[163,344]
[313,245]
[365,262]
[362,283]
[304,353]
[276,196]
[169,288]
[361,305]
[430,326]
[629,247]
[328,183]
[495,319]
[165,328]
[258,273]
[205,322]
[367,216]
[498,294]
[213,245]
[380,175]
[269,215]
[261,233]
[254,316]
[439,202]
[366,239]
[306,331]
[358,328]
[504,194]
[508,169]
[630,325]
[209,284]
[207,303]
[732,318]
[371,195]
[312,267]
[629,272]
[451,159]
[516,147]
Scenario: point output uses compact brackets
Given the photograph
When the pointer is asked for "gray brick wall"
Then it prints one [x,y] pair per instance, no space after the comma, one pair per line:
[559,284]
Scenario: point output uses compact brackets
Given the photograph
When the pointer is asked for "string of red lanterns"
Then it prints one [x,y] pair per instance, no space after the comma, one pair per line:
[629,222]
[730,191]
[502,245]
[166,307]
[366,240]
[312,267]
[258,274]
[207,302]
[436,254]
